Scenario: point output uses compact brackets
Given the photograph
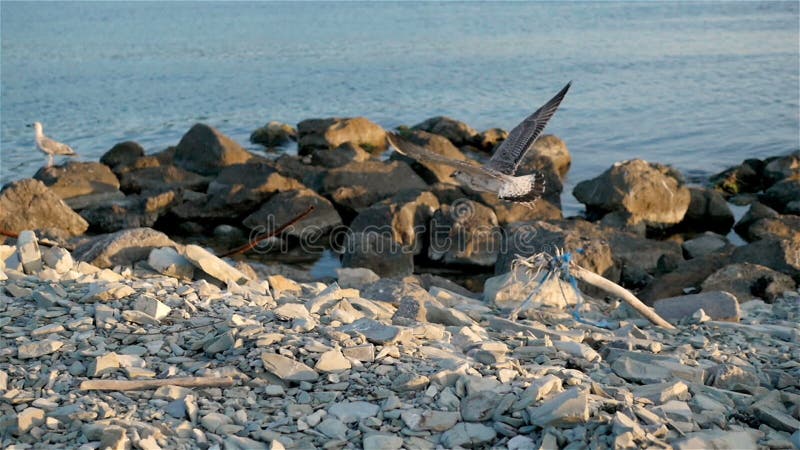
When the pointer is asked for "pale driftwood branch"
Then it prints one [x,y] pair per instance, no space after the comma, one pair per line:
[140,385]
[598,281]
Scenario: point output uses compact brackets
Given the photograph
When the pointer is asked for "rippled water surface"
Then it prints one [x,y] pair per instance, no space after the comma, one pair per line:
[697,85]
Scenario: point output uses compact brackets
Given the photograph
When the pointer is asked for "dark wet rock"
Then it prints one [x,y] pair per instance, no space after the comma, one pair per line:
[465,232]
[121,248]
[274,134]
[300,169]
[404,216]
[489,139]
[161,179]
[133,211]
[718,305]
[28,204]
[285,206]
[743,178]
[340,156]
[528,238]
[784,226]
[81,184]
[782,255]
[206,151]
[793,208]
[780,168]
[703,245]
[747,281]
[708,211]
[782,193]
[685,275]
[358,185]
[332,132]
[651,193]
[756,212]
[623,221]
[122,155]
[455,131]
[237,190]
[548,151]
[429,171]
[379,253]
[642,253]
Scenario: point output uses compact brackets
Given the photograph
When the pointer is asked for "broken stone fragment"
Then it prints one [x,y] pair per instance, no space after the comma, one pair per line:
[151,307]
[167,261]
[28,251]
[288,369]
[58,259]
[718,305]
[212,265]
[39,348]
[568,408]
[103,364]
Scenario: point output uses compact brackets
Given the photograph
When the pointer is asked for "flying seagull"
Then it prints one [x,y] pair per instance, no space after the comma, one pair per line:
[497,175]
[50,146]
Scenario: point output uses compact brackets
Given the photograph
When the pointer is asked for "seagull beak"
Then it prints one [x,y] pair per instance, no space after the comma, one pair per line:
[30,125]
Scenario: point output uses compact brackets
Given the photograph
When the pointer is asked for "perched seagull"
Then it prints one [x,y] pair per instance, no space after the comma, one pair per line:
[497,175]
[50,146]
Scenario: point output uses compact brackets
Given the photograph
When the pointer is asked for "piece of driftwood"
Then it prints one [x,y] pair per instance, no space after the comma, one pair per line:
[252,244]
[612,288]
[141,385]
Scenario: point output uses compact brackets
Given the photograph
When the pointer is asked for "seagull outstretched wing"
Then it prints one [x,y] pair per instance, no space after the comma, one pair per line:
[508,156]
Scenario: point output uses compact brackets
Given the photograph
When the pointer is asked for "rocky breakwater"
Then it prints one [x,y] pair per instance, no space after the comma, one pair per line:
[139,342]
[231,354]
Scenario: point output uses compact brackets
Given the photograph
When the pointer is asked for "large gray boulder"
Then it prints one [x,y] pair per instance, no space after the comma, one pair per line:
[708,211]
[755,213]
[459,133]
[284,206]
[784,226]
[332,132]
[780,168]
[122,155]
[648,192]
[782,255]
[81,184]
[429,171]
[780,194]
[465,232]
[28,204]
[133,211]
[744,178]
[121,248]
[340,156]
[206,151]
[161,178]
[301,169]
[237,190]
[747,281]
[404,217]
[688,274]
[358,185]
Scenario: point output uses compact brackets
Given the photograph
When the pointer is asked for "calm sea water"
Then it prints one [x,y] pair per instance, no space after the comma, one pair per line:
[697,85]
